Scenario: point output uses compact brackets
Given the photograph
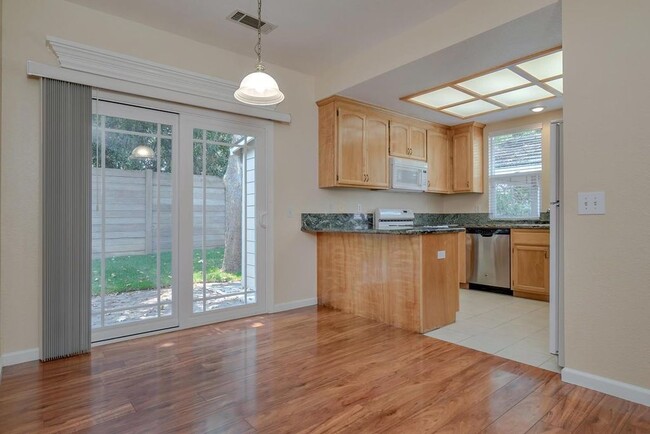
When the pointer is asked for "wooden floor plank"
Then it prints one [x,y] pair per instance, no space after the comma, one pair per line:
[638,422]
[310,370]
[527,412]
[569,413]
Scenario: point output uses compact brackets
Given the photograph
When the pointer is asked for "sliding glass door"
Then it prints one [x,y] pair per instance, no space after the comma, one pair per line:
[178,234]
[134,220]
[224,233]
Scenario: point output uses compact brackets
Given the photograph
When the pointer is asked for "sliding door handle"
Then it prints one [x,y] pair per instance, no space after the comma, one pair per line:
[263,220]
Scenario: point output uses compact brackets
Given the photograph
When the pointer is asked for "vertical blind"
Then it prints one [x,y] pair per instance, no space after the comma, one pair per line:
[515,169]
[66,172]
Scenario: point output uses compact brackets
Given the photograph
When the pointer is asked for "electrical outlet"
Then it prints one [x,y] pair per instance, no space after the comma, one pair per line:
[359,208]
[591,202]
[442,254]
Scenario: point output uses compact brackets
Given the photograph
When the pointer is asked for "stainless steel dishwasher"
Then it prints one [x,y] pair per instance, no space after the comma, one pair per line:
[488,257]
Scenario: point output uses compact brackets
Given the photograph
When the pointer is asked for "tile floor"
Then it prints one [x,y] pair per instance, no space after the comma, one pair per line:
[511,327]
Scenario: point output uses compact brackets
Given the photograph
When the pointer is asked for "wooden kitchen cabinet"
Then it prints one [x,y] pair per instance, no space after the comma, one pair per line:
[396,279]
[467,158]
[529,266]
[439,160]
[353,146]
[408,140]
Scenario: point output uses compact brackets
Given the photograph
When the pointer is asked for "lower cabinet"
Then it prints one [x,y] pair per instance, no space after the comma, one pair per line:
[530,270]
[407,281]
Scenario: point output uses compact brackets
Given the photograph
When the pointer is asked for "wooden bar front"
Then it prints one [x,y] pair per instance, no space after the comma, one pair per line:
[392,278]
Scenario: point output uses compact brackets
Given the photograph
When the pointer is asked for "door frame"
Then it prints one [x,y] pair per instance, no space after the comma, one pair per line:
[114,108]
[556,197]
[187,316]
[265,216]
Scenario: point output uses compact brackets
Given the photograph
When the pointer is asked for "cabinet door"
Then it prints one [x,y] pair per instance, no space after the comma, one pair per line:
[376,152]
[418,144]
[462,162]
[351,151]
[438,161]
[399,140]
[530,269]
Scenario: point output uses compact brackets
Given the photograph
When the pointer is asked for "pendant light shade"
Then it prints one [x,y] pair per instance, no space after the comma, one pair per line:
[142,152]
[259,88]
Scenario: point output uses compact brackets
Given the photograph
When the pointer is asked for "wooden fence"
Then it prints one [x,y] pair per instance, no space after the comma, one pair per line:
[134,218]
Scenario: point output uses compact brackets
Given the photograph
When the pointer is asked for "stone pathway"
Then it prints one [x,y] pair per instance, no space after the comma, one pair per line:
[122,306]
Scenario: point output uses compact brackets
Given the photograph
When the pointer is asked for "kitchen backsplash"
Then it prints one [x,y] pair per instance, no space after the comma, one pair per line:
[357,221]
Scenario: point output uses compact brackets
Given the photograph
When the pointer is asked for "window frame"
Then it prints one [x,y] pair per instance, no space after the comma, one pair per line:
[515,176]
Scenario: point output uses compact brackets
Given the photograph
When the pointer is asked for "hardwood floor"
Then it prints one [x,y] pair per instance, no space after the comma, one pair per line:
[309,370]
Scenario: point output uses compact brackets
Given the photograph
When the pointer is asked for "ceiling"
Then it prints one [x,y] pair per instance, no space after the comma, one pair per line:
[312,35]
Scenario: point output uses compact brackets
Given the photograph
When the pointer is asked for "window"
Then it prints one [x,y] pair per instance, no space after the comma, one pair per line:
[515,170]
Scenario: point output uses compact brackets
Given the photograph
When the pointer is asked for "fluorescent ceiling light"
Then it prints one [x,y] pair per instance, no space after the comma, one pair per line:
[521,81]
[497,81]
[557,84]
[471,108]
[544,67]
[522,96]
[442,97]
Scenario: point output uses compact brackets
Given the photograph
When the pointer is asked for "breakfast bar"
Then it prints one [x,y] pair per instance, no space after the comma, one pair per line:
[408,278]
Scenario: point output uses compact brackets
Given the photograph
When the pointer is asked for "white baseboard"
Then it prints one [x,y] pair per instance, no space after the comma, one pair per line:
[294,304]
[616,388]
[17,357]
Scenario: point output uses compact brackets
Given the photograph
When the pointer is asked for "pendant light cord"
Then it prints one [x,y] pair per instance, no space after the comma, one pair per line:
[258,47]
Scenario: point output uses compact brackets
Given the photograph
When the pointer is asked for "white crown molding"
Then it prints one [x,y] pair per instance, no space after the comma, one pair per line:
[96,61]
[616,388]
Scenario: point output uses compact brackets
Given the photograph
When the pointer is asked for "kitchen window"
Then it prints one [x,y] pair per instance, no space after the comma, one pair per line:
[515,172]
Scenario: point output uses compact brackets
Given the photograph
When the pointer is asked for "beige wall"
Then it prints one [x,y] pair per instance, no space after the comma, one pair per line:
[1,39]
[25,27]
[606,113]
[480,202]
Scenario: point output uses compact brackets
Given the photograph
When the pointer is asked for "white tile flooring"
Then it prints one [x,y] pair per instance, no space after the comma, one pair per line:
[510,327]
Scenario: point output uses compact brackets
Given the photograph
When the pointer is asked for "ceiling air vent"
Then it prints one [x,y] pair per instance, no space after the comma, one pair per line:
[251,22]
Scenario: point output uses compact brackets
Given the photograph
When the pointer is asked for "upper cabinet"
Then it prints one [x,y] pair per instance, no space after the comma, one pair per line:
[408,140]
[355,141]
[353,146]
[467,158]
[439,160]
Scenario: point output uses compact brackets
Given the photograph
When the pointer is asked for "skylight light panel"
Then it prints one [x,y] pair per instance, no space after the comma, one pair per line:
[442,97]
[494,82]
[544,67]
[471,109]
[522,96]
[557,84]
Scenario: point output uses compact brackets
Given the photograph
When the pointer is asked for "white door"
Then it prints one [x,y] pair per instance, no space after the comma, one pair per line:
[222,220]
[134,220]
[556,298]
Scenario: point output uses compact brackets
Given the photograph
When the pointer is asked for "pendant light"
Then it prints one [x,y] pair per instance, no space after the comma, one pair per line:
[142,152]
[259,88]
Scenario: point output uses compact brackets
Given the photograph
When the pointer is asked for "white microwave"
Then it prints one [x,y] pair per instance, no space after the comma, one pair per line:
[408,175]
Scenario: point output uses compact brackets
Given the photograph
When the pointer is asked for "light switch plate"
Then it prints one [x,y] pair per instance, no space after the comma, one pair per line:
[442,254]
[591,202]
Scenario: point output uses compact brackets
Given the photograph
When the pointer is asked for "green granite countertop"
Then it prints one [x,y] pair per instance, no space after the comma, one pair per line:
[424,223]
[410,231]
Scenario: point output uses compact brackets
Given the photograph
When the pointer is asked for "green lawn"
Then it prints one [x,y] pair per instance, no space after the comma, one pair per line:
[133,273]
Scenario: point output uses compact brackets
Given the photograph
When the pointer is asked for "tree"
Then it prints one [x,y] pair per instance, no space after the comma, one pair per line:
[233,190]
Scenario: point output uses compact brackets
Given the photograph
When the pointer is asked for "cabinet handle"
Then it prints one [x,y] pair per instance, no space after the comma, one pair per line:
[545,254]
[467,184]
